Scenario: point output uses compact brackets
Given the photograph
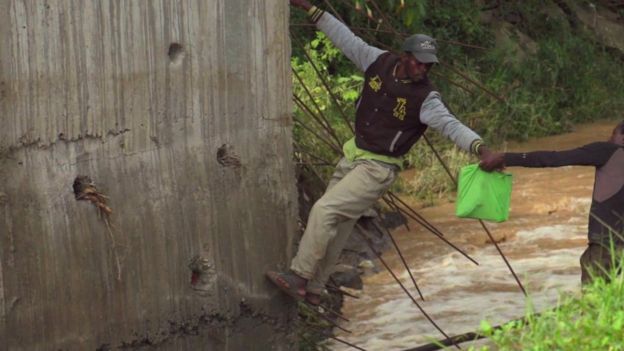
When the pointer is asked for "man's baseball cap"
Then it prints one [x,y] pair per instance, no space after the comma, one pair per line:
[423,47]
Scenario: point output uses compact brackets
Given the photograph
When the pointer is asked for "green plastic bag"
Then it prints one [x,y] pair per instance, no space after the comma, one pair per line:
[483,195]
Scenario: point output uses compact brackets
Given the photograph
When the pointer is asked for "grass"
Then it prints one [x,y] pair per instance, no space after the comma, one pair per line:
[311,329]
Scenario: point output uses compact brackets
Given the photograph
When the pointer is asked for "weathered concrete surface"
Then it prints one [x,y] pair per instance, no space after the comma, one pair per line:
[179,112]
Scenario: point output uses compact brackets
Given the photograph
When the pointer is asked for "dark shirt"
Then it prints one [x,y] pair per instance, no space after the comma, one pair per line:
[607,208]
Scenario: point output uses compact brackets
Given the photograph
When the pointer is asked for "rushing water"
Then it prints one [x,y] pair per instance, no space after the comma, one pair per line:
[543,240]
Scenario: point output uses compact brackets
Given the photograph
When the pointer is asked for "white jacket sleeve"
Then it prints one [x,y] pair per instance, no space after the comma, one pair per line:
[435,114]
[352,46]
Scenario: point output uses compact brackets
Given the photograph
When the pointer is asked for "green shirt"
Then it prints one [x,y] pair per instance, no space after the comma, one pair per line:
[352,153]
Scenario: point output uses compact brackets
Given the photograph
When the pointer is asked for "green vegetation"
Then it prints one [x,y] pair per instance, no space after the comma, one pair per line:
[593,321]
[311,329]
[537,70]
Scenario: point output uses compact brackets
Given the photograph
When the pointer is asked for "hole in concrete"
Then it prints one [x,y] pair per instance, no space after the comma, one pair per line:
[195,277]
[84,189]
[175,53]
[203,274]
[198,266]
[81,183]
[227,157]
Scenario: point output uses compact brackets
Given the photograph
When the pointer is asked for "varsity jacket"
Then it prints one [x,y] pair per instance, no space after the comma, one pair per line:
[606,215]
[392,114]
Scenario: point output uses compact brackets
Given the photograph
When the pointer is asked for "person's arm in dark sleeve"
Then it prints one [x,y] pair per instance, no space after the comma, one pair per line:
[595,154]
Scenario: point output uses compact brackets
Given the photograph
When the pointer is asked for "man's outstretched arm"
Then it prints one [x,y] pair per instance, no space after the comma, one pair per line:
[436,115]
[352,46]
[595,154]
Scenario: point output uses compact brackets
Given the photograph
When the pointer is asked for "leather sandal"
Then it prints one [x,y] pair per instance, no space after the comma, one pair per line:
[313,298]
[289,283]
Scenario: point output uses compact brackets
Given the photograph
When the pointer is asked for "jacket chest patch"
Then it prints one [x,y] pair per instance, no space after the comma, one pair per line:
[400,109]
[375,83]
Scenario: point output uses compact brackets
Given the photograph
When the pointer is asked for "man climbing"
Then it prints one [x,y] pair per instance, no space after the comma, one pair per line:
[606,218]
[396,106]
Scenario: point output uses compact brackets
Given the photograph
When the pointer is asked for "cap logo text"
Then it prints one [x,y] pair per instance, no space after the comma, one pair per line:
[427,45]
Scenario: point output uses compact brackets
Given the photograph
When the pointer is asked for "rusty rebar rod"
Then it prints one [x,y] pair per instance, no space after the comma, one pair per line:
[369,38]
[390,197]
[425,224]
[474,82]
[333,147]
[319,120]
[319,164]
[331,311]
[347,343]
[489,234]
[418,220]
[385,19]
[409,208]
[383,262]
[396,246]
[327,128]
[319,137]
[333,323]
[437,155]
[334,287]
[318,108]
[333,10]
[443,239]
[395,208]
[329,90]
[298,148]
[472,336]
[322,316]
[452,82]
[323,333]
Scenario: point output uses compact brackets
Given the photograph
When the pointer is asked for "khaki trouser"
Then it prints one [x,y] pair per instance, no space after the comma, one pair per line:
[352,190]
[596,260]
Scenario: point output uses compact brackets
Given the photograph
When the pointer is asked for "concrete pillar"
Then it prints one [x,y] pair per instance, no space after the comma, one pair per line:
[179,113]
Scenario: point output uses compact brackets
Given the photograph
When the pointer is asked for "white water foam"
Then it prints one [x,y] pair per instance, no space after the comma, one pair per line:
[459,294]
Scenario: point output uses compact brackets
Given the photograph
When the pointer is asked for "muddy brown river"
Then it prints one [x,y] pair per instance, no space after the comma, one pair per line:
[543,240]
